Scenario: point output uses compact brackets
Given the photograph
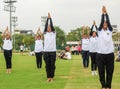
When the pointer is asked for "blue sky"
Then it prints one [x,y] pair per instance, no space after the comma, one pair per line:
[68,14]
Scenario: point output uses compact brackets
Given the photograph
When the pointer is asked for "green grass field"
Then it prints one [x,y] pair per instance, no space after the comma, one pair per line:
[69,75]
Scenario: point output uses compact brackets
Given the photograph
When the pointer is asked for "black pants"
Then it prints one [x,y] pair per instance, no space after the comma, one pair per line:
[8,58]
[72,52]
[50,58]
[39,59]
[105,64]
[85,57]
[93,61]
[76,52]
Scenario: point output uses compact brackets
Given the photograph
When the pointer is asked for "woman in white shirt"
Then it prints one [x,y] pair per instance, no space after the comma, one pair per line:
[67,55]
[85,50]
[7,46]
[50,48]
[38,48]
[93,48]
[105,56]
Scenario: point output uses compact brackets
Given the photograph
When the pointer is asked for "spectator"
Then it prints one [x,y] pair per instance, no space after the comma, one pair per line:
[72,50]
[79,49]
[21,48]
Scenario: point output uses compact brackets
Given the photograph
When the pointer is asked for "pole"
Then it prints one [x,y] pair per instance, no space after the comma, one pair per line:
[14,37]
[10,18]
[14,20]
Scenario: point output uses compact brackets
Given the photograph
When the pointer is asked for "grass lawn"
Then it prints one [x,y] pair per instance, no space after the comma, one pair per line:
[69,75]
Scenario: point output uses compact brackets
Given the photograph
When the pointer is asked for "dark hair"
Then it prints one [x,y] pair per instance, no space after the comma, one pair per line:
[95,33]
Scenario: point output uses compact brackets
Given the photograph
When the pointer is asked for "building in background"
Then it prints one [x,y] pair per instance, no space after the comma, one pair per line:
[73,42]
[24,32]
[115,29]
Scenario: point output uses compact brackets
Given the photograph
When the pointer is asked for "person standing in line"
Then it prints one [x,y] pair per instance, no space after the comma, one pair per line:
[38,48]
[7,47]
[50,48]
[105,56]
[93,48]
[85,50]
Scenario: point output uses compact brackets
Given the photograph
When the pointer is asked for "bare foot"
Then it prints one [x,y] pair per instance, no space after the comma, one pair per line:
[49,80]
[9,71]
[103,88]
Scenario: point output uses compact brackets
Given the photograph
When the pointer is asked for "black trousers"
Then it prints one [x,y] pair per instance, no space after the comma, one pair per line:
[85,57]
[50,58]
[72,52]
[105,64]
[93,61]
[39,59]
[8,58]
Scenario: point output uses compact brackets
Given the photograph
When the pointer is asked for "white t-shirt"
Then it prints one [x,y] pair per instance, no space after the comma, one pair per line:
[21,47]
[38,46]
[93,45]
[50,42]
[105,42]
[7,44]
[85,44]
[68,55]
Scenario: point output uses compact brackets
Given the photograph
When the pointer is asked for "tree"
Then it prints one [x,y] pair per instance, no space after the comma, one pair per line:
[1,41]
[18,40]
[29,41]
[74,35]
[60,38]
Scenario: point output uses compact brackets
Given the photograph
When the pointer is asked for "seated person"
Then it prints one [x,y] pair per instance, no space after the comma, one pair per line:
[32,53]
[62,54]
[66,55]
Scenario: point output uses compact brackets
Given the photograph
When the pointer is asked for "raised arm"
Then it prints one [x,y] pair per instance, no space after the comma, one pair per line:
[102,18]
[6,33]
[51,24]
[46,25]
[102,22]
[83,29]
[108,22]
[39,33]
[91,30]
[94,25]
